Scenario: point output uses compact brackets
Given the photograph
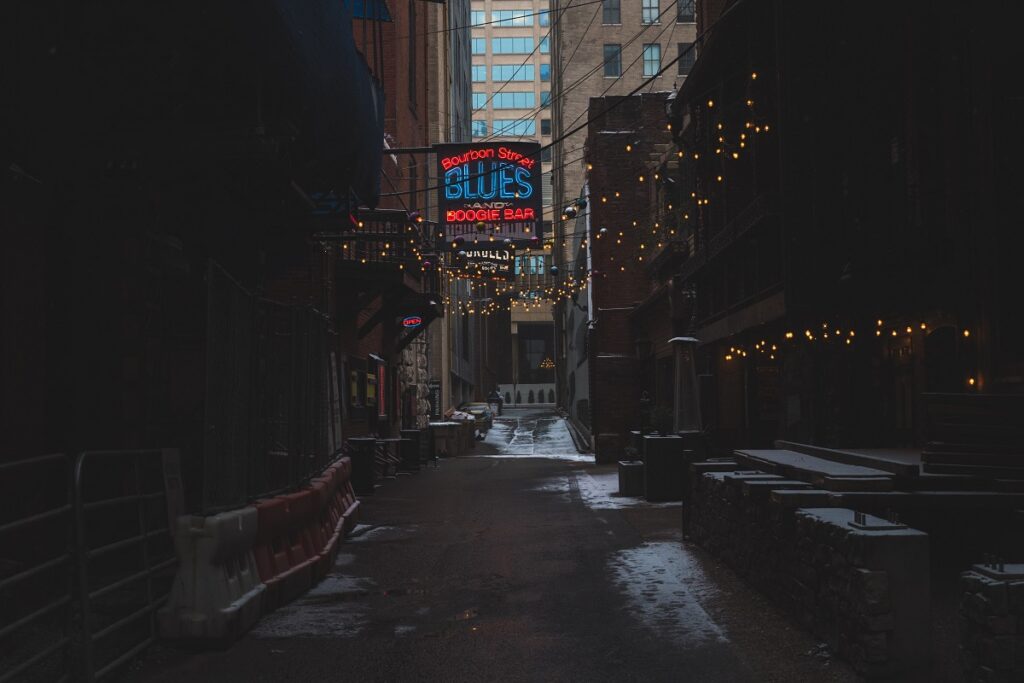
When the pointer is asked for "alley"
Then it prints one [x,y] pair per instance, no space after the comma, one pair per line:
[514,568]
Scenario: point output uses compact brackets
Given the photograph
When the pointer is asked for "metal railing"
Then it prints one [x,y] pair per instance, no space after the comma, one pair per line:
[86,559]
[125,553]
[36,570]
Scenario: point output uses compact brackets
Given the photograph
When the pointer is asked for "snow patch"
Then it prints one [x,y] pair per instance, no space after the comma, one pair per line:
[533,437]
[600,491]
[664,587]
[333,608]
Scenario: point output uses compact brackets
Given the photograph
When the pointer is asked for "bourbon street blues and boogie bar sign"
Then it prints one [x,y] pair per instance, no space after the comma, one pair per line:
[490,190]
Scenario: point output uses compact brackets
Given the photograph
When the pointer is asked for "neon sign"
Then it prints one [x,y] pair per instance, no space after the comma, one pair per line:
[491,190]
[411,321]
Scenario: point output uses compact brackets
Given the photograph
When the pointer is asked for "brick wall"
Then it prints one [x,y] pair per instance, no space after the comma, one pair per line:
[620,282]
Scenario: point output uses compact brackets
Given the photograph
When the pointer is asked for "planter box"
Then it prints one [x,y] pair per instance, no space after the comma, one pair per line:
[664,468]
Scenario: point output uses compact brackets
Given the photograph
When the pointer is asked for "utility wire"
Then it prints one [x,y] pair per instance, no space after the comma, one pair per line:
[612,105]
[499,21]
[578,82]
[543,106]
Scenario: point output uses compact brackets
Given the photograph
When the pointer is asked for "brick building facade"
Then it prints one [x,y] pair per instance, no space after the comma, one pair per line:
[623,190]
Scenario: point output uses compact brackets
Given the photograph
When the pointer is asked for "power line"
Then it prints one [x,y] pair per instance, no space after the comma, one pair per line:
[612,105]
[546,36]
[542,106]
[499,21]
[578,82]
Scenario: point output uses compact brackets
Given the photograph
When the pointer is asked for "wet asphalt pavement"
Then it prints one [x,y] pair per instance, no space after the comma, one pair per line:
[506,566]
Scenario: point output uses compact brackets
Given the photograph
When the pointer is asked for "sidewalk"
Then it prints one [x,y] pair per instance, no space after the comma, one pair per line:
[517,569]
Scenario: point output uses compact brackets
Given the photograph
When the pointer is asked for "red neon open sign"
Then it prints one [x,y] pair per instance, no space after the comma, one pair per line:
[412,321]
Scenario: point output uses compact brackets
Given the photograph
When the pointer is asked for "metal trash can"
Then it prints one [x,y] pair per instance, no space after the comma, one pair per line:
[409,449]
[364,469]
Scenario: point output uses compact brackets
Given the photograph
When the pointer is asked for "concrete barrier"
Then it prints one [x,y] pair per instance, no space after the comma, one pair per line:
[217,593]
[281,556]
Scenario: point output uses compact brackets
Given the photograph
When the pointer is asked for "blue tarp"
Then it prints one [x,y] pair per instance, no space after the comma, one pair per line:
[342,103]
[370,9]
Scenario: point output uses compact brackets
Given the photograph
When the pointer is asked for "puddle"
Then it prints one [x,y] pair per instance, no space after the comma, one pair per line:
[665,588]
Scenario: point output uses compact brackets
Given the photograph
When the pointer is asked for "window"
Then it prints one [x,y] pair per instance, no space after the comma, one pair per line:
[685,14]
[506,18]
[479,100]
[649,12]
[514,100]
[612,60]
[545,98]
[479,73]
[529,265]
[545,155]
[611,12]
[511,46]
[545,73]
[477,18]
[515,127]
[479,46]
[686,58]
[511,72]
[545,126]
[545,45]
[652,59]
[479,128]
[545,18]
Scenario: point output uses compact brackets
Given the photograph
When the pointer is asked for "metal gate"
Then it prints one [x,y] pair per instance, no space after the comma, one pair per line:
[36,569]
[86,563]
[124,504]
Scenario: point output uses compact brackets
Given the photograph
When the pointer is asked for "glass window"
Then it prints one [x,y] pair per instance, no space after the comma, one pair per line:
[611,12]
[545,45]
[479,73]
[477,18]
[512,72]
[514,100]
[545,155]
[652,59]
[515,127]
[545,73]
[479,128]
[529,265]
[686,13]
[545,18]
[511,46]
[649,12]
[505,18]
[545,98]
[479,46]
[479,100]
[612,60]
[545,126]
[687,56]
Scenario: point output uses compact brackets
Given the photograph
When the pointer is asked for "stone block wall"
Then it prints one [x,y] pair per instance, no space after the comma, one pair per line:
[992,623]
[862,588]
